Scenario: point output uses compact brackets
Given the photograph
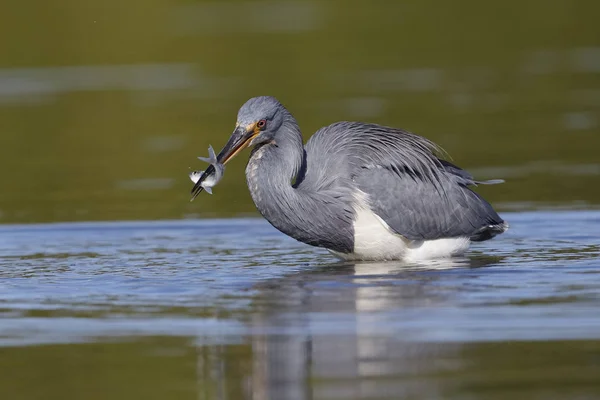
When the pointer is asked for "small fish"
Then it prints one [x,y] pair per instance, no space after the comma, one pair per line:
[207,184]
[212,179]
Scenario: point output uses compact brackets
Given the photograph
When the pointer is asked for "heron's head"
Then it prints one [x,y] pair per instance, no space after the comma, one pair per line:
[257,122]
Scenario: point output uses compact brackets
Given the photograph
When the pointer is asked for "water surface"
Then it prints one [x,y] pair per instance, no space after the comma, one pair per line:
[232,309]
[104,107]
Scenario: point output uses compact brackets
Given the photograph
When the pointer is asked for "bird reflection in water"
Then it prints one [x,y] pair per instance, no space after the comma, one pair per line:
[353,330]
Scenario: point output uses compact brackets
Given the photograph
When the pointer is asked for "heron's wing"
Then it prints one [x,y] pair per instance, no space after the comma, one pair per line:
[422,210]
[341,150]
[465,177]
[417,194]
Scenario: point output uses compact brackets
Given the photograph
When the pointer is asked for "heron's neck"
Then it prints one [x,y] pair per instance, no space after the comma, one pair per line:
[302,214]
[271,169]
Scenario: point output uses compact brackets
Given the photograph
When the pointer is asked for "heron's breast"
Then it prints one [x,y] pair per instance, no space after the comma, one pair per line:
[375,240]
[252,174]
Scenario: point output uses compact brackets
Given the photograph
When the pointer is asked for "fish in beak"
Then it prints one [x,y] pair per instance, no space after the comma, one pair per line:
[213,179]
[238,141]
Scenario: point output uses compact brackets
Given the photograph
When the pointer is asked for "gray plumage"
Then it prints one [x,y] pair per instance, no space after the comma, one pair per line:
[311,192]
[417,194]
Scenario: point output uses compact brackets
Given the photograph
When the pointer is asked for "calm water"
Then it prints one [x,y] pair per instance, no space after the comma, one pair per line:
[231,309]
[104,107]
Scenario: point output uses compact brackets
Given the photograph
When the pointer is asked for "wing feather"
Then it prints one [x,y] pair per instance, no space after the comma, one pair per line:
[409,185]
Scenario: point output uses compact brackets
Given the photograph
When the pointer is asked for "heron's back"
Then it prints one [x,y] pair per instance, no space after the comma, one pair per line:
[343,149]
[417,194]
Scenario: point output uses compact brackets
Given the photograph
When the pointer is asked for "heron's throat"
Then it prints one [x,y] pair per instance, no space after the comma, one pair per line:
[274,166]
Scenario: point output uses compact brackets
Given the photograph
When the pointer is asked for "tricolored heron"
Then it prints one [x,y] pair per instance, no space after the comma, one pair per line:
[362,191]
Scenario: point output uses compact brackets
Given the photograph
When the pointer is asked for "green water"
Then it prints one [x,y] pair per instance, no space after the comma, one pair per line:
[104,107]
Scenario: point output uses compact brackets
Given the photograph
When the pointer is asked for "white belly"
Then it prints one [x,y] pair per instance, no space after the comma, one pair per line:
[374,240]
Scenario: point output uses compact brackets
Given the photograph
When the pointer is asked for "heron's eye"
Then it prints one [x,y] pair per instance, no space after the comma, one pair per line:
[262,124]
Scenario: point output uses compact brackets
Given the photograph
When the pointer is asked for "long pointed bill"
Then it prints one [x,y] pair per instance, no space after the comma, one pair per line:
[238,141]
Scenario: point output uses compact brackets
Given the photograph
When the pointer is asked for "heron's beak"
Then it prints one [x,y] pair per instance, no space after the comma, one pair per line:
[238,141]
